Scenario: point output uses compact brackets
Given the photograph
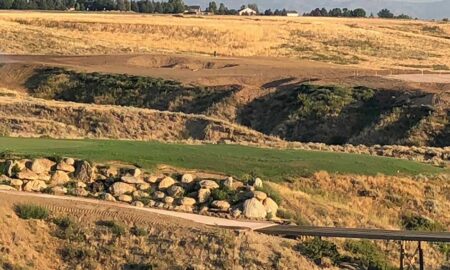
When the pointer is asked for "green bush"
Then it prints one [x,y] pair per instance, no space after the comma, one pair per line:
[139,231]
[31,211]
[116,228]
[415,222]
[316,249]
[367,254]
[76,253]
[225,194]
[68,229]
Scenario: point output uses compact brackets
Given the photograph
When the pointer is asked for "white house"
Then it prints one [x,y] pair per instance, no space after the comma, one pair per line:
[247,11]
[292,14]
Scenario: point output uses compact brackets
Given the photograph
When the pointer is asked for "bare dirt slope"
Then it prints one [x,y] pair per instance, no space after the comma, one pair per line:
[168,243]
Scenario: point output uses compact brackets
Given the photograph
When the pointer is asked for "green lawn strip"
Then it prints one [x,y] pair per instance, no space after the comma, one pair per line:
[234,160]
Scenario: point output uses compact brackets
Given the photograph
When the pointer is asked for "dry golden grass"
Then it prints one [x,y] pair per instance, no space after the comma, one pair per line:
[363,42]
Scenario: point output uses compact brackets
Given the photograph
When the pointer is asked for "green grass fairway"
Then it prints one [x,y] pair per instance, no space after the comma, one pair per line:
[230,159]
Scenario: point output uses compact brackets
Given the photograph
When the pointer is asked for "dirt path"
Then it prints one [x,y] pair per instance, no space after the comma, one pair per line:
[419,78]
[77,202]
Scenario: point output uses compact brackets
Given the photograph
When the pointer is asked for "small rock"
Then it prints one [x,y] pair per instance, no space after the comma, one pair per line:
[209,184]
[69,161]
[35,185]
[107,197]
[63,166]
[59,190]
[136,172]
[236,213]
[131,180]
[159,195]
[151,179]
[175,191]
[80,192]
[187,201]
[221,205]
[137,204]
[16,183]
[166,183]
[187,178]
[144,186]
[259,195]
[151,203]
[125,198]
[120,188]
[257,183]
[168,200]
[140,194]
[203,195]
[253,208]
[228,182]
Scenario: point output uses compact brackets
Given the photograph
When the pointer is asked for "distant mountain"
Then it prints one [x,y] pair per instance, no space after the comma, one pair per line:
[427,10]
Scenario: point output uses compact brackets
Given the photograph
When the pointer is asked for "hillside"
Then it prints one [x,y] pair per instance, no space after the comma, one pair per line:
[368,43]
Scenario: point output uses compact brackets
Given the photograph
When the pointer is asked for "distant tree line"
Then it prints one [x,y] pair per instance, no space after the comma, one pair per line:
[278,12]
[356,13]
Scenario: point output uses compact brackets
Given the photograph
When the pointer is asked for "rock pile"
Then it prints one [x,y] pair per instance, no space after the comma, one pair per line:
[226,197]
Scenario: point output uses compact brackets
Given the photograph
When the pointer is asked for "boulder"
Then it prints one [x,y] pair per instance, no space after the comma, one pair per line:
[151,179]
[253,208]
[203,195]
[125,198]
[187,178]
[259,195]
[69,161]
[236,213]
[35,185]
[59,190]
[59,178]
[16,183]
[107,197]
[6,187]
[108,171]
[137,204]
[41,165]
[208,184]
[168,200]
[27,174]
[187,201]
[166,183]
[175,191]
[11,168]
[221,205]
[140,194]
[159,195]
[151,203]
[97,186]
[257,183]
[63,166]
[131,180]
[228,182]
[136,172]
[271,206]
[80,192]
[83,171]
[120,188]
[144,186]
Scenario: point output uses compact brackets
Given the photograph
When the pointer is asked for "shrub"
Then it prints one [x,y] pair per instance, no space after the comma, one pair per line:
[68,229]
[367,254]
[115,227]
[31,211]
[414,222]
[75,253]
[297,218]
[225,194]
[137,266]
[316,249]
[139,231]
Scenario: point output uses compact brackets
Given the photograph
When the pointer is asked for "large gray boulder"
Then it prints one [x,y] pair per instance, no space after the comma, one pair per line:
[83,171]
[253,208]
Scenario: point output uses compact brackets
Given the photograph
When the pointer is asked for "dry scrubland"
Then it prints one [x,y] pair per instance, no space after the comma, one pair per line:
[364,42]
